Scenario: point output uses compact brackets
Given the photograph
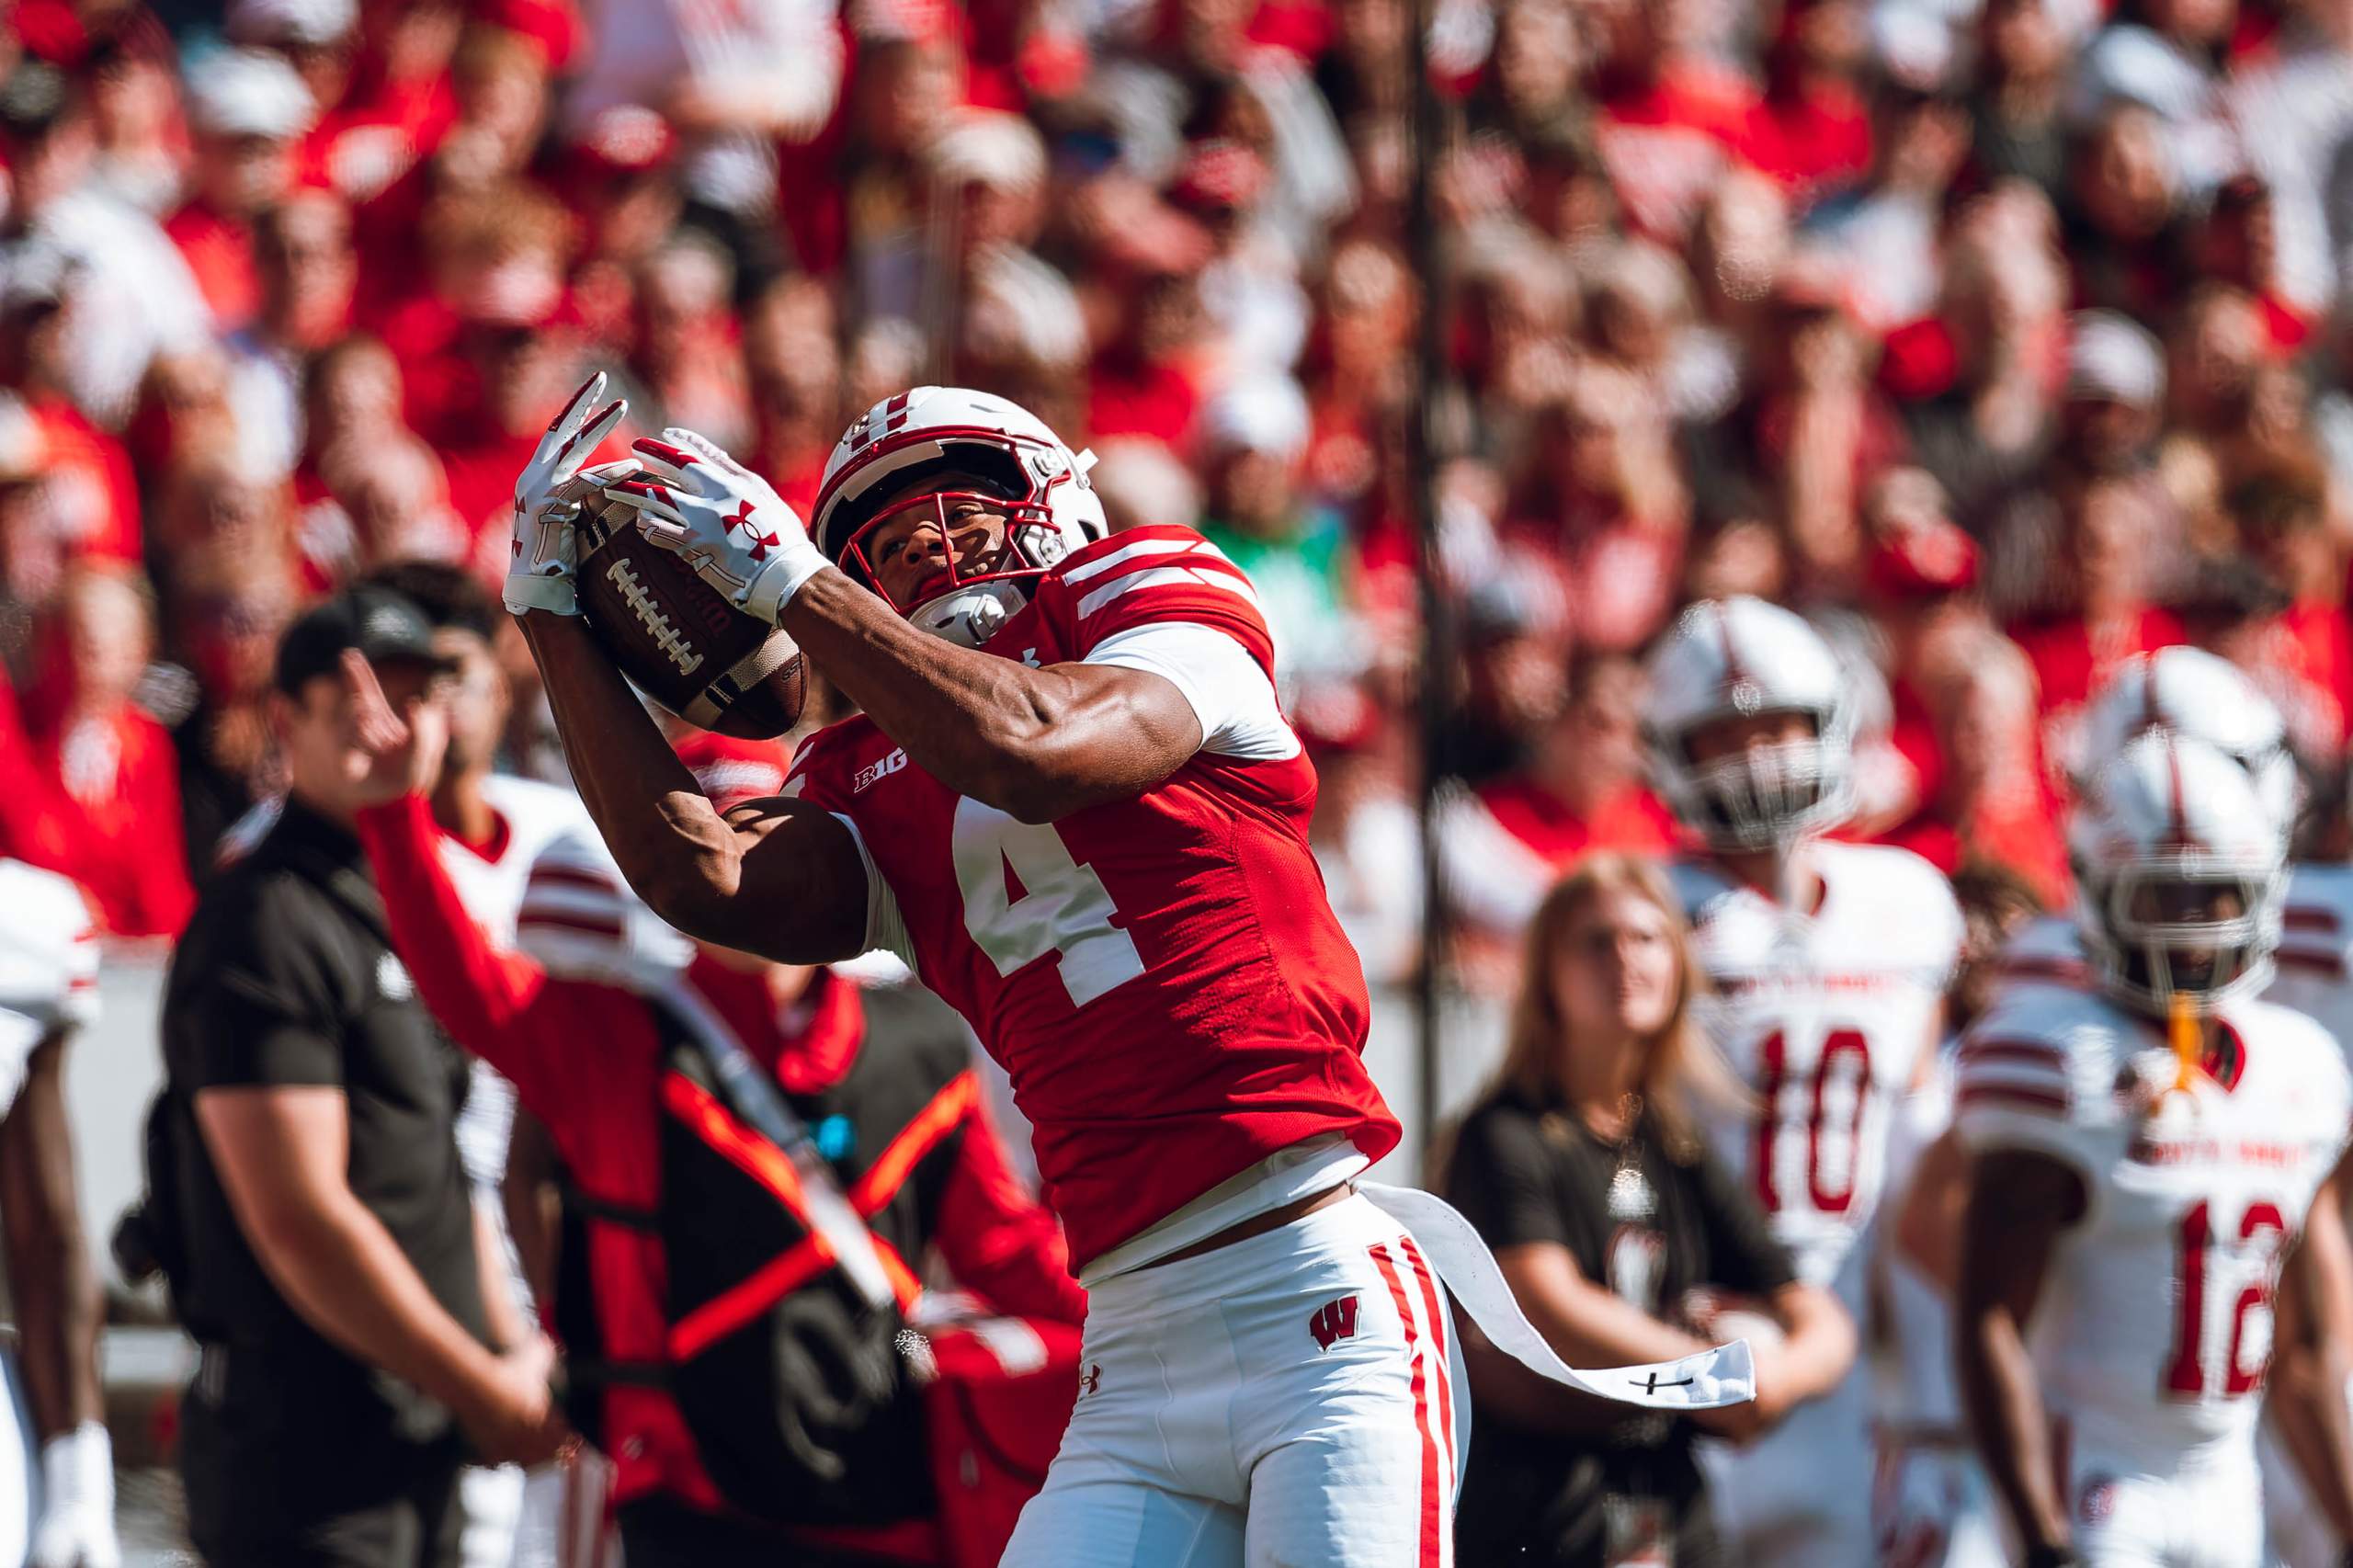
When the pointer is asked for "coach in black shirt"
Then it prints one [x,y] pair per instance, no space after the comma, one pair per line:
[326,1250]
[1623,1238]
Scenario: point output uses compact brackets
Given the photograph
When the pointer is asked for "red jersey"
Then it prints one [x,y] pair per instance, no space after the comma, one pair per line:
[1162,977]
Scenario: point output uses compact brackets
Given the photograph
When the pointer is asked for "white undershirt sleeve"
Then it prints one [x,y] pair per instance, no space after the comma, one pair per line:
[886,929]
[1227,691]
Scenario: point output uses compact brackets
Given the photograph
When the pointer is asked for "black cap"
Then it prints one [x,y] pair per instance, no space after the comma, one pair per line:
[386,627]
[34,97]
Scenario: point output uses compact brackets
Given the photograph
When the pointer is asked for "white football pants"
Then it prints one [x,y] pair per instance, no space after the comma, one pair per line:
[2130,1514]
[1936,1510]
[1290,1400]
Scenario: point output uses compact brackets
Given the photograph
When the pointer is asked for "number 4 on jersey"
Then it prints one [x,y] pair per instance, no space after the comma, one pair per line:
[1062,907]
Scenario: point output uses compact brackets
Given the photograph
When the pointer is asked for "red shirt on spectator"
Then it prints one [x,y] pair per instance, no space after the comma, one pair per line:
[1815,136]
[93,490]
[1144,400]
[32,828]
[1666,142]
[1633,819]
[2070,662]
[115,782]
[219,251]
[2306,650]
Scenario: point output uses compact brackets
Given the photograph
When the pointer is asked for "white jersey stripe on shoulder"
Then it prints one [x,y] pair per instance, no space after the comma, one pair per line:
[1096,568]
[2014,1097]
[1187,560]
[1223,580]
[2015,1052]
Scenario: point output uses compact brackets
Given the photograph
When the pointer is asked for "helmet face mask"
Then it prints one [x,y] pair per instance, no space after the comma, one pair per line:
[1767,794]
[2182,877]
[975,449]
[1750,727]
[2190,926]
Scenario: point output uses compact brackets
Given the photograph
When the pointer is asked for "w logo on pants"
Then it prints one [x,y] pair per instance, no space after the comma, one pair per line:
[1334,1320]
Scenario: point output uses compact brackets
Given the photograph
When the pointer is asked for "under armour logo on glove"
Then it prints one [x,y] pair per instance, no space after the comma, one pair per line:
[699,503]
[759,543]
[1333,1321]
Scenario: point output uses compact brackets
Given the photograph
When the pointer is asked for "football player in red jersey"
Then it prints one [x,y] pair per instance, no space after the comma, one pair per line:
[1073,805]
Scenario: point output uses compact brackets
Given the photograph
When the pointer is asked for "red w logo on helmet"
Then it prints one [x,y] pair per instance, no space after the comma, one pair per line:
[879,422]
[1333,1321]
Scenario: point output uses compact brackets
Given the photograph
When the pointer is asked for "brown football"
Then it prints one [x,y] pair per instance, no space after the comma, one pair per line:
[673,635]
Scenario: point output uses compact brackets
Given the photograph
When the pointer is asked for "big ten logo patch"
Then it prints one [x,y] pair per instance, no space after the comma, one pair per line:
[1333,1321]
[875,771]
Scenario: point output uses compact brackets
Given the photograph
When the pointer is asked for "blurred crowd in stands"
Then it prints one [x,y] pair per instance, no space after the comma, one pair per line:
[2000,337]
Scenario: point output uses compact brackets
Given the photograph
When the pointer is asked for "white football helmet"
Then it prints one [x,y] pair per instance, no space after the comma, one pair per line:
[1743,658]
[2193,693]
[581,921]
[2182,875]
[1015,463]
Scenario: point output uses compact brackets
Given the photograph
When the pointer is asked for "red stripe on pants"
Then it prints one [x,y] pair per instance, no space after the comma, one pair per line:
[1429,1554]
[1436,1318]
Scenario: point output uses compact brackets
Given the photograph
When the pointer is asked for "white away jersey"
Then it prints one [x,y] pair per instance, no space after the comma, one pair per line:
[48,966]
[2154,1326]
[2315,956]
[2046,951]
[1824,1016]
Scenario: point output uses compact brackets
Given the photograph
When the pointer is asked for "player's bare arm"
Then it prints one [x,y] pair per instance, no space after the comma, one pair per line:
[777,878]
[782,880]
[2019,1203]
[1036,743]
[1588,1324]
[2310,1363]
[54,1291]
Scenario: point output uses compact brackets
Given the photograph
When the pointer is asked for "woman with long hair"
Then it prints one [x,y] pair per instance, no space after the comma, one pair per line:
[1624,1239]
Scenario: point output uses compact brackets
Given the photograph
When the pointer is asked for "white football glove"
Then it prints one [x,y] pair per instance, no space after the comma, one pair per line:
[548,494]
[77,1526]
[721,520]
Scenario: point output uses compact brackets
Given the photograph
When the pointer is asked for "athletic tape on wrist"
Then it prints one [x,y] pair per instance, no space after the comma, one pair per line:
[77,1468]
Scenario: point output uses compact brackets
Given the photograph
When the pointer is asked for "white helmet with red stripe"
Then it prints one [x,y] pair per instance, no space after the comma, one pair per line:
[2193,693]
[581,921]
[1741,658]
[2182,872]
[995,451]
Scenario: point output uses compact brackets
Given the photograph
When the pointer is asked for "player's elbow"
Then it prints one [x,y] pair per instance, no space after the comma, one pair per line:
[691,887]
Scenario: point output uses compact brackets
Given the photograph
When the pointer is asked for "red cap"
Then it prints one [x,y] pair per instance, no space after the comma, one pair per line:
[1925,563]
